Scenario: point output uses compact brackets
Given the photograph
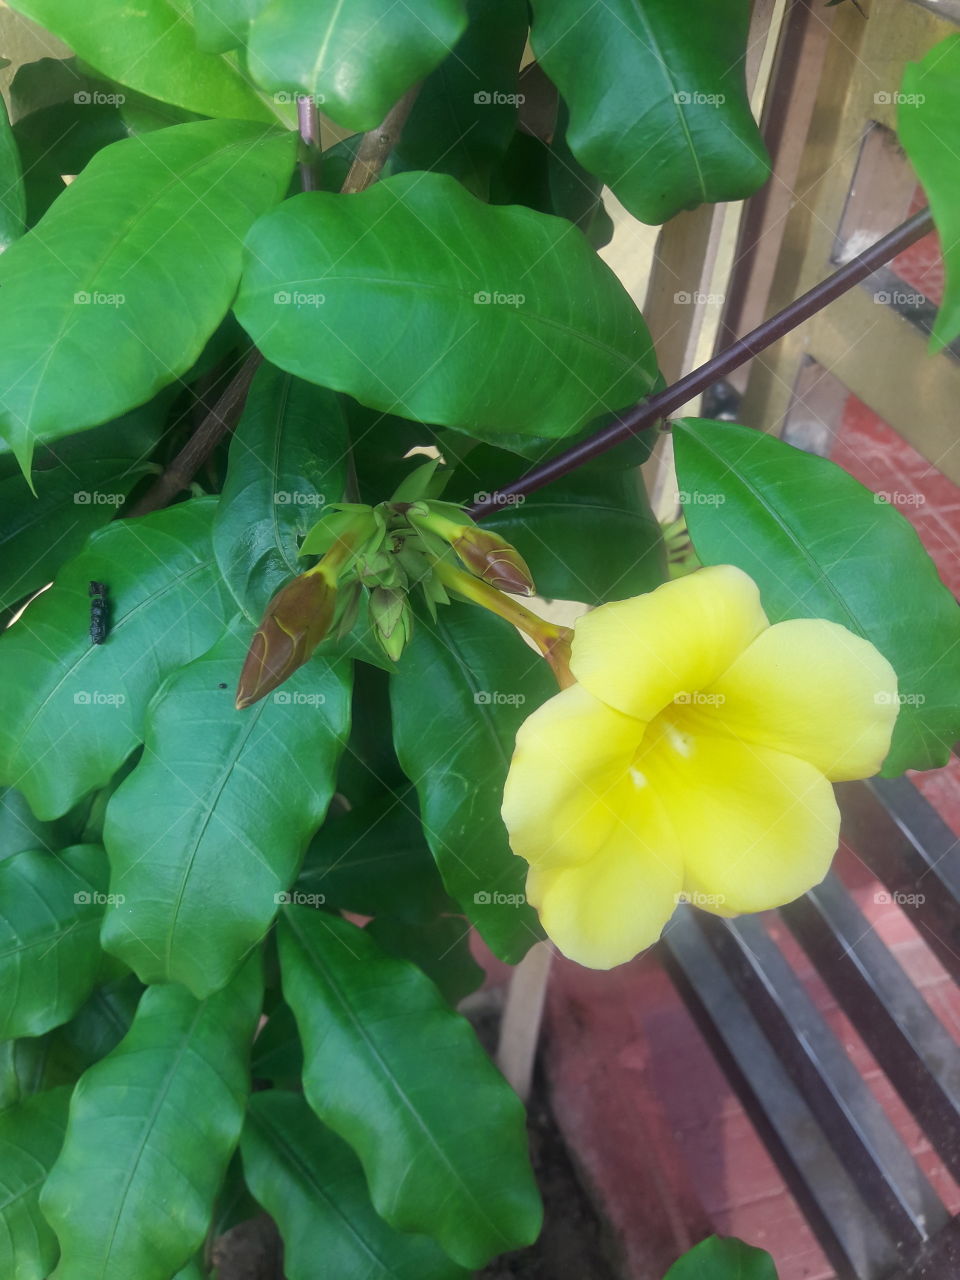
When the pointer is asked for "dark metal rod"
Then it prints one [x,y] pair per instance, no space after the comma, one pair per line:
[765,335]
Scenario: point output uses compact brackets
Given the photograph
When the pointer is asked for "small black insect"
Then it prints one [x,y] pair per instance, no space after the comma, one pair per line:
[99,612]
[222,684]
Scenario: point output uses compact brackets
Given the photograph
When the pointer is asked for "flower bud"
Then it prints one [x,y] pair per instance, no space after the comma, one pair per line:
[392,620]
[494,560]
[296,620]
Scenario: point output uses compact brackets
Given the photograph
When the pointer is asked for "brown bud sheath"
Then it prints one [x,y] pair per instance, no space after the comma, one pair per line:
[296,620]
[493,560]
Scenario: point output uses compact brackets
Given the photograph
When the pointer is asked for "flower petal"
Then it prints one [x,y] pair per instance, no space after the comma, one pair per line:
[637,655]
[816,690]
[571,754]
[603,912]
[755,828]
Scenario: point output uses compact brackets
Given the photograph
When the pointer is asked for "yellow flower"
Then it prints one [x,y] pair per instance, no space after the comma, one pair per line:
[693,757]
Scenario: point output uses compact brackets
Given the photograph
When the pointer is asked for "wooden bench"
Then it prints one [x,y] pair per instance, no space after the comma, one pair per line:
[875,1213]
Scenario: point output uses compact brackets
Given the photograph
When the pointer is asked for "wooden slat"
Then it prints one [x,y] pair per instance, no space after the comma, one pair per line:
[858,1244]
[903,840]
[921,1059]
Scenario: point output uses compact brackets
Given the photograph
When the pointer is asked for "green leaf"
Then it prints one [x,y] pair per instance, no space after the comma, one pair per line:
[288,459]
[391,1069]
[723,1259]
[465,113]
[820,545]
[50,910]
[13,203]
[151,1131]
[355,59]
[39,531]
[667,124]
[59,139]
[311,1184]
[151,47]
[221,25]
[375,859]
[209,830]
[136,264]
[591,536]
[19,829]
[928,124]
[71,712]
[30,1138]
[456,746]
[38,1063]
[441,948]
[516,327]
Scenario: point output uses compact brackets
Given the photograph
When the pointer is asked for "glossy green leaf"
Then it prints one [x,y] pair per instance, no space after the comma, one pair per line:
[657,98]
[591,536]
[209,830]
[466,111]
[37,1063]
[398,1075]
[375,859]
[13,204]
[723,1259]
[151,1131]
[116,290]
[820,545]
[30,1138]
[441,948]
[288,459]
[19,829]
[149,46]
[456,746]
[311,1184]
[221,25]
[928,124]
[71,712]
[515,327]
[356,59]
[50,910]
[39,531]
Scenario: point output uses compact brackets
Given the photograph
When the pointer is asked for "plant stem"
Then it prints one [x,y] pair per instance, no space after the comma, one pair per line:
[552,641]
[221,419]
[376,145]
[308,119]
[650,411]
